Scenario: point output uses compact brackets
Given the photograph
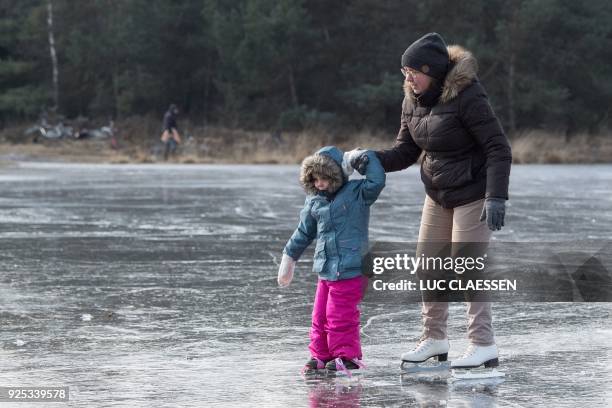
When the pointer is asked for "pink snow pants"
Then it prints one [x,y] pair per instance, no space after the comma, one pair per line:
[335,319]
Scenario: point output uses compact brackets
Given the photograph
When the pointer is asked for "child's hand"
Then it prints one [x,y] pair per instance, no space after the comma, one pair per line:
[347,169]
[285,271]
[358,160]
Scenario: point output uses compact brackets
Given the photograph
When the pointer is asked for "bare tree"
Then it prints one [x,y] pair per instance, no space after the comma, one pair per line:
[53,55]
[513,39]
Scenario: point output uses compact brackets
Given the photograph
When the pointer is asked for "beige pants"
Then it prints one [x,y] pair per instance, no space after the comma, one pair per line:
[167,135]
[460,224]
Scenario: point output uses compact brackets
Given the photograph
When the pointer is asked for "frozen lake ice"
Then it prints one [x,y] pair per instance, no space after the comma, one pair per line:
[155,285]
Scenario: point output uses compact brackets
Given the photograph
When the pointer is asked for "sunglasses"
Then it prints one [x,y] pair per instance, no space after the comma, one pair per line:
[409,71]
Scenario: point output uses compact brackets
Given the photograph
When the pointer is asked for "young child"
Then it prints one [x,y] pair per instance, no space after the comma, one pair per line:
[336,213]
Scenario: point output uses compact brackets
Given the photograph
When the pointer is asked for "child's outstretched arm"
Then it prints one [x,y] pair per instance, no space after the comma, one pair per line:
[375,178]
[303,235]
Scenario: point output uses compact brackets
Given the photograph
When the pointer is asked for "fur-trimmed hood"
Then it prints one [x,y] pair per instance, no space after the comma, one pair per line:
[327,163]
[463,71]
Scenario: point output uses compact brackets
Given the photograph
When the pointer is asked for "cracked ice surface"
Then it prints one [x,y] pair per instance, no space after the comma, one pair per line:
[155,285]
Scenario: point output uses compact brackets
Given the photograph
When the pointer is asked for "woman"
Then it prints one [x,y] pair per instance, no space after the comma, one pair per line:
[465,169]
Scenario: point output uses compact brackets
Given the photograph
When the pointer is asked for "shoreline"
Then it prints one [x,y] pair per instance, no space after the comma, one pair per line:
[225,146]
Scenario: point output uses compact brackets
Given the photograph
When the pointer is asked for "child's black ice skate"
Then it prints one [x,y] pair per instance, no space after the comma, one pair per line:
[344,365]
[313,365]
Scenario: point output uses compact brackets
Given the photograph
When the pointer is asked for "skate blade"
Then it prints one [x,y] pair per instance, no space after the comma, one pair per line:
[475,374]
[416,368]
[346,374]
[314,373]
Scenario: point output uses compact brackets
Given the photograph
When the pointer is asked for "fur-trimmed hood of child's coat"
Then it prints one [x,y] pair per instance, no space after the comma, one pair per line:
[326,163]
[464,68]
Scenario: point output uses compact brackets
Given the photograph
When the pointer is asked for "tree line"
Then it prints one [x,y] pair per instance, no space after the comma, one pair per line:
[290,64]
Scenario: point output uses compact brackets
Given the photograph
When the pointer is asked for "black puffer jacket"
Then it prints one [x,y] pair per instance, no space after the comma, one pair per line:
[169,121]
[467,155]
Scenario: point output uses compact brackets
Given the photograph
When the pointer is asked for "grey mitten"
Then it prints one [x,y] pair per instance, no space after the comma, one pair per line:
[494,211]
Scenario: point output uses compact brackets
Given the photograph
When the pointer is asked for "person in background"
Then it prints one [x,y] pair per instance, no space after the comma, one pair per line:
[170,134]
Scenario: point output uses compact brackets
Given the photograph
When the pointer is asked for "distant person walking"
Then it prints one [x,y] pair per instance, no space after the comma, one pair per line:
[170,135]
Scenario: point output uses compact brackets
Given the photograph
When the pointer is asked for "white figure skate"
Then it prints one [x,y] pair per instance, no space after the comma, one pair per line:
[424,350]
[469,366]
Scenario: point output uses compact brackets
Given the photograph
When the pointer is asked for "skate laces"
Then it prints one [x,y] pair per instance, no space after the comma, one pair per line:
[424,343]
[469,351]
[341,367]
[320,364]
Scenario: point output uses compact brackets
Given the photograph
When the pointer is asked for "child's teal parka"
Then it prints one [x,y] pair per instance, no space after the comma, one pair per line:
[338,220]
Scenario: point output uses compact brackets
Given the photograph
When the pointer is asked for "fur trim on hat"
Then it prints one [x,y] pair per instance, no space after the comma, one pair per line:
[463,72]
[323,166]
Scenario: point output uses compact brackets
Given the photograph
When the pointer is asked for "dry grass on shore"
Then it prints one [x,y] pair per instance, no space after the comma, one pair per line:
[222,145]
[540,147]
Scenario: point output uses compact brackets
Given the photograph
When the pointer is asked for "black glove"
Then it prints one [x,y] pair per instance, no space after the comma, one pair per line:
[494,210]
[358,159]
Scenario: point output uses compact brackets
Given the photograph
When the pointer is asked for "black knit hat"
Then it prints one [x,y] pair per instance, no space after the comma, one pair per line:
[429,55]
